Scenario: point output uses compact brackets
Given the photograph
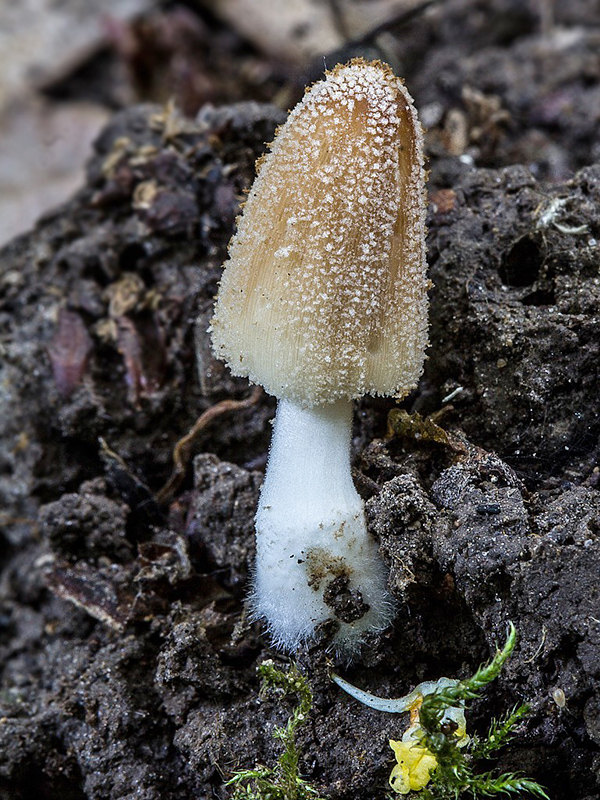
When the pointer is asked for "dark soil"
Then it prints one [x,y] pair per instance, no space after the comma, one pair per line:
[128,664]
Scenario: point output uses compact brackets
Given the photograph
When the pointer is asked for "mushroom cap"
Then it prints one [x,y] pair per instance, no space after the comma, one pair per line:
[324,295]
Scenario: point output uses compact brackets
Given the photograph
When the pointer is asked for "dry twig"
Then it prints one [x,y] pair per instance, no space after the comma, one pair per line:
[182,450]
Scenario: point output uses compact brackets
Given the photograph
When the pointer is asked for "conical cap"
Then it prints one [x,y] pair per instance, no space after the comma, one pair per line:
[324,294]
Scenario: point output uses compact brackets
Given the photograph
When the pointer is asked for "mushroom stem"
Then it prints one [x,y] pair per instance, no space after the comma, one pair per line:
[315,559]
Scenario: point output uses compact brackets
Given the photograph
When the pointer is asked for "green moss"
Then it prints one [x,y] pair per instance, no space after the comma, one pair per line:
[283,781]
[456,774]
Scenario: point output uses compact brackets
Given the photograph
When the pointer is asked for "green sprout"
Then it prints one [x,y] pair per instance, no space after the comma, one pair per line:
[436,756]
[282,782]
[454,774]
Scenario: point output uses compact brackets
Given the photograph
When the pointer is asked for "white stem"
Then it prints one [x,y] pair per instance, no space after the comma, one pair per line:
[315,560]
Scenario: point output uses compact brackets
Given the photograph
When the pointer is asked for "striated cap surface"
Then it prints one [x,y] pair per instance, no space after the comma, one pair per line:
[324,294]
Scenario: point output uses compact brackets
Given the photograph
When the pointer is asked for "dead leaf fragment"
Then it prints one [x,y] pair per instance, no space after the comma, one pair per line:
[92,591]
[69,351]
[414,426]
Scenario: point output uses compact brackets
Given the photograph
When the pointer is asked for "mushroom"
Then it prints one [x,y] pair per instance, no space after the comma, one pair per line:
[324,300]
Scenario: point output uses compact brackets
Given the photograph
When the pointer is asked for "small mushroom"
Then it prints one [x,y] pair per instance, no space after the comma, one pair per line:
[322,301]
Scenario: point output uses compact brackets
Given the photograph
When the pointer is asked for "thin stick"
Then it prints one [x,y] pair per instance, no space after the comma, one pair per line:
[183,448]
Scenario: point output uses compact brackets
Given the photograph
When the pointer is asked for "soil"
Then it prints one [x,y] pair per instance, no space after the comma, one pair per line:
[128,661]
